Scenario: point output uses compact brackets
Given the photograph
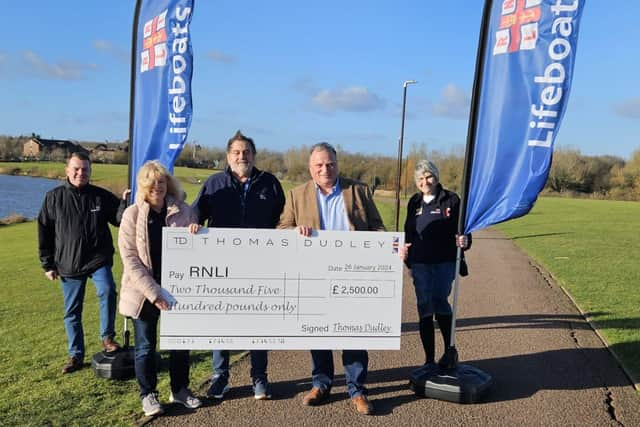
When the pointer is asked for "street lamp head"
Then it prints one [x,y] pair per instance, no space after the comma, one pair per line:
[409,82]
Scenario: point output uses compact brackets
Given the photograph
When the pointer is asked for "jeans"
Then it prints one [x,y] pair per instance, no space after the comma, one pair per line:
[355,363]
[258,363]
[432,283]
[73,294]
[145,330]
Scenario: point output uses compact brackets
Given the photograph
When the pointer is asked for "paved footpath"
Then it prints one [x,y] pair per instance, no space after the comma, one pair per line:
[548,365]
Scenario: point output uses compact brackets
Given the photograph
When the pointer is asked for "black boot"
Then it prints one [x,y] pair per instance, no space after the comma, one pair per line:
[444,323]
[450,358]
[428,339]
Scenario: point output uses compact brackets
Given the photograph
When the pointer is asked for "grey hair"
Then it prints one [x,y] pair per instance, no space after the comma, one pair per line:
[324,146]
[424,167]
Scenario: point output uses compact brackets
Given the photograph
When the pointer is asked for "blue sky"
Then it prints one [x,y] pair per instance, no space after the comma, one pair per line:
[291,73]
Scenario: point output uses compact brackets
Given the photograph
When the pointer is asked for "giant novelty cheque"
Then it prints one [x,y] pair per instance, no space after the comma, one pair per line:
[274,289]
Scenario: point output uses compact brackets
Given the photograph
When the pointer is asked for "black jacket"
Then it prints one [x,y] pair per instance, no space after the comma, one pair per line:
[222,202]
[73,229]
[431,228]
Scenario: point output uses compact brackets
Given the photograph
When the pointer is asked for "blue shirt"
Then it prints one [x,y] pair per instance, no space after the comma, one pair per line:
[333,215]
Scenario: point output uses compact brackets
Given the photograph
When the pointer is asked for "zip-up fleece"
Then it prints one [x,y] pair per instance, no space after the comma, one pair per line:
[222,201]
[73,229]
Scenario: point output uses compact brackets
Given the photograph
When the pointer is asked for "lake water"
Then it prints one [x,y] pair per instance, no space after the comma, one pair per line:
[23,195]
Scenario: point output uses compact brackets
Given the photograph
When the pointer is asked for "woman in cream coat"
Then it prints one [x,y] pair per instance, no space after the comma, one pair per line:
[159,202]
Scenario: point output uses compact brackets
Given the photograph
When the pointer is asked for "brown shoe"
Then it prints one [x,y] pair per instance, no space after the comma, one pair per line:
[362,404]
[315,397]
[109,345]
[72,365]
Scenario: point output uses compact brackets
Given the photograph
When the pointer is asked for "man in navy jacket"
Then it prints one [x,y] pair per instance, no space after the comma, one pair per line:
[240,197]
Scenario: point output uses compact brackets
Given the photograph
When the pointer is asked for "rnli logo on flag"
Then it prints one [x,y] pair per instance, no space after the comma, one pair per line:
[518,28]
[395,244]
[154,43]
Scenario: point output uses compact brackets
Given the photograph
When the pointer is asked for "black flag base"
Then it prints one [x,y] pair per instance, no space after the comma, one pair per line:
[118,365]
[454,383]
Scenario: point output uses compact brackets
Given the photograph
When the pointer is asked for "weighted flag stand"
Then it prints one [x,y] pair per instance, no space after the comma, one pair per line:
[119,365]
[160,112]
[456,382]
[520,92]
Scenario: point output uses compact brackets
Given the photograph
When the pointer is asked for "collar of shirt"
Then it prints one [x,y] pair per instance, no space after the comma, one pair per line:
[333,215]
[335,189]
[427,198]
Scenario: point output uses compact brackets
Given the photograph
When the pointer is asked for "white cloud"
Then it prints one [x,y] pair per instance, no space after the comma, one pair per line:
[219,56]
[629,109]
[454,103]
[63,70]
[352,99]
[121,55]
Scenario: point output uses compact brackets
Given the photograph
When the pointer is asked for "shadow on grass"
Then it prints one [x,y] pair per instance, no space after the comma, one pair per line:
[530,236]
[632,323]
[524,236]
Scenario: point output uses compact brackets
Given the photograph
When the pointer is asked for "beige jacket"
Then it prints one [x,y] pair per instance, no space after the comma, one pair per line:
[301,207]
[133,240]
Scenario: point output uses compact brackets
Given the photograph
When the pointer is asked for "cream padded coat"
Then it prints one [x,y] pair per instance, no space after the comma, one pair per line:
[133,241]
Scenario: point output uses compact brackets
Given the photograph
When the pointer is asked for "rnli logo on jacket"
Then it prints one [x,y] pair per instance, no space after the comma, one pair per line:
[154,43]
[518,28]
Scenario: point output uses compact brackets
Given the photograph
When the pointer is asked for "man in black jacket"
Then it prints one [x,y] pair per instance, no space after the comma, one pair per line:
[74,244]
[240,197]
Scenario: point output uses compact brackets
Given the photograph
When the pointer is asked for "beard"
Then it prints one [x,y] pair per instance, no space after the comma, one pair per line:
[242,169]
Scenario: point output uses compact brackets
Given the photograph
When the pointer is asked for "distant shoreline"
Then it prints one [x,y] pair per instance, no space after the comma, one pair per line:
[29,172]
[14,219]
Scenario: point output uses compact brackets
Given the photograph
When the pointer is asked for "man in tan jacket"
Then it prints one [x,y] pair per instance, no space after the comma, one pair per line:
[330,202]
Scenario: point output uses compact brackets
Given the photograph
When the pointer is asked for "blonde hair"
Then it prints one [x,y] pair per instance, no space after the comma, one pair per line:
[153,170]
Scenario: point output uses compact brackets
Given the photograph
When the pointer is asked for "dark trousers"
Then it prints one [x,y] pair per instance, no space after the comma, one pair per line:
[258,363]
[355,363]
[146,334]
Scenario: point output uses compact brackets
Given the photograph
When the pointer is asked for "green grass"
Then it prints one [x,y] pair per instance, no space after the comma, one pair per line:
[33,390]
[591,248]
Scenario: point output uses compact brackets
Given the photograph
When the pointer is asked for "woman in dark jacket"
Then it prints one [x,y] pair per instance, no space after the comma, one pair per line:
[430,229]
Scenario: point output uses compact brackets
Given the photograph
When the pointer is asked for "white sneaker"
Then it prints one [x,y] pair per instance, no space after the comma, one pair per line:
[185,398]
[151,406]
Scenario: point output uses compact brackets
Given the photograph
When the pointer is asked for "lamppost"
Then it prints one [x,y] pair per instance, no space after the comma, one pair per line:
[404,103]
